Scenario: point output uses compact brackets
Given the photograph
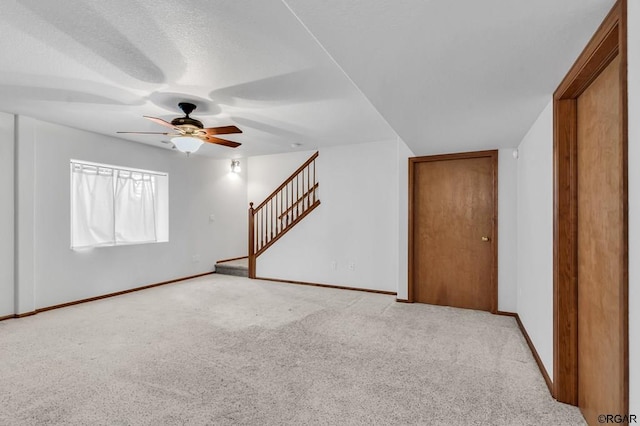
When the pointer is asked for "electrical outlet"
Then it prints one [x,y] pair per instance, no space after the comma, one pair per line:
[195,258]
[352,266]
[212,218]
[334,265]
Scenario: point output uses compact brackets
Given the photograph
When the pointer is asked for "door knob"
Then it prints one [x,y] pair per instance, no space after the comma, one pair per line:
[485,239]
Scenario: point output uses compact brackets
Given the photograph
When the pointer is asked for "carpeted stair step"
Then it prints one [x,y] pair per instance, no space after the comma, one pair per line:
[236,267]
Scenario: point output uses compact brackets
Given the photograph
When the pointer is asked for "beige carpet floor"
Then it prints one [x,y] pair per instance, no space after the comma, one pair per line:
[223,350]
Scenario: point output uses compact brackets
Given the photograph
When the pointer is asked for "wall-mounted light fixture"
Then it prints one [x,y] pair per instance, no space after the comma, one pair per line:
[187,144]
[235,166]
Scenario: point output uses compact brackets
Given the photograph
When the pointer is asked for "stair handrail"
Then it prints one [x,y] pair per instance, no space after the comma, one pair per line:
[275,221]
[288,180]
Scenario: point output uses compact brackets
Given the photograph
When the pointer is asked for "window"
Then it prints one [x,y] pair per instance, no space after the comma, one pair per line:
[113,205]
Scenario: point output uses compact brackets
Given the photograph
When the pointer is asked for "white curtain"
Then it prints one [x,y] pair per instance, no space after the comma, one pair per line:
[135,207]
[111,206]
[92,202]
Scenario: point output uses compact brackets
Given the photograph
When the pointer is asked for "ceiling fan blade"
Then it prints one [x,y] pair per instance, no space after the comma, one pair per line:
[153,133]
[161,122]
[219,141]
[224,130]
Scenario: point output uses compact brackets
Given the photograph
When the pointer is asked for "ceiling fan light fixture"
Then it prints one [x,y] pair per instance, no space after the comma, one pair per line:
[187,144]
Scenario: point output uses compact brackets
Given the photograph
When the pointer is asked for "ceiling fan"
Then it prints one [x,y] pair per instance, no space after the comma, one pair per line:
[189,134]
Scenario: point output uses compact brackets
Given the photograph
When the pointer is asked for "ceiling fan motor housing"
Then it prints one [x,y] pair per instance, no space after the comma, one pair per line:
[187,108]
[182,121]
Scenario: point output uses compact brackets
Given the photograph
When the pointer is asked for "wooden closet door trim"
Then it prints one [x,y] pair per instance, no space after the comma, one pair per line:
[609,40]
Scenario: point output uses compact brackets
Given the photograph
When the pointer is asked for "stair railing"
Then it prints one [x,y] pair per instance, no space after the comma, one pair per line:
[295,198]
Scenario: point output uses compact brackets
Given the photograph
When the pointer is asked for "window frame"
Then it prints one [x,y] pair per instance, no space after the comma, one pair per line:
[161,204]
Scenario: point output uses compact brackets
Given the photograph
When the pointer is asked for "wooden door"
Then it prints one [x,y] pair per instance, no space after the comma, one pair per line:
[452,230]
[601,247]
[590,348]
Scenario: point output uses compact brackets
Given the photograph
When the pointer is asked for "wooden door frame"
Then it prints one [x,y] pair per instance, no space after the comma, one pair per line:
[609,41]
[493,155]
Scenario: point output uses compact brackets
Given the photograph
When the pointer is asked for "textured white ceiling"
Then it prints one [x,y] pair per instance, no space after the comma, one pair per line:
[455,75]
[101,66]
[445,75]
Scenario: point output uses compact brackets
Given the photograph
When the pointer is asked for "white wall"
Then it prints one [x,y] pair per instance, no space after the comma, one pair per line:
[507,231]
[404,153]
[51,273]
[357,221]
[359,175]
[25,206]
[535,235]
[633,16]
[267,172]
[6,213]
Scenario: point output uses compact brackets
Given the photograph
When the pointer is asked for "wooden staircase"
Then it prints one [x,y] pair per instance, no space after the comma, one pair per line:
[291,202]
